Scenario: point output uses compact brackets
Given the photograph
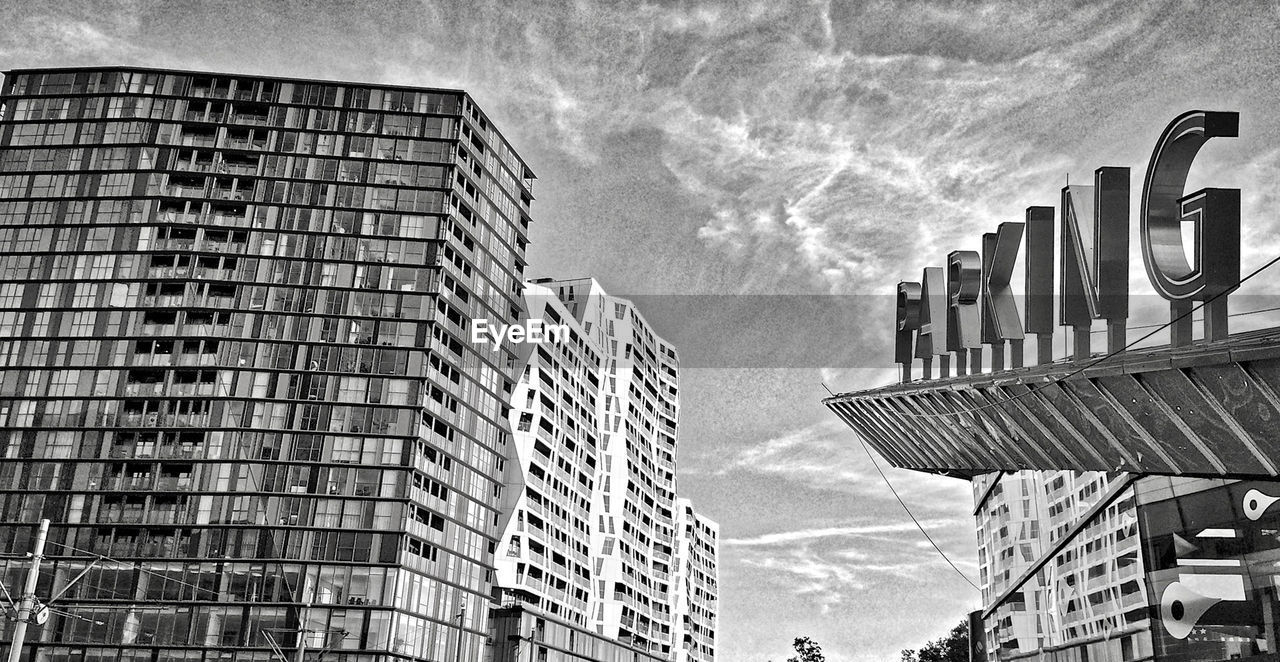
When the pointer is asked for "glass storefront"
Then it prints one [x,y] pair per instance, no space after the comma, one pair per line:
[1212,553]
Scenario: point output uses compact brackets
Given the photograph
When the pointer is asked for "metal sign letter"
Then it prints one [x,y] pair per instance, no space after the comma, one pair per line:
[1214,269]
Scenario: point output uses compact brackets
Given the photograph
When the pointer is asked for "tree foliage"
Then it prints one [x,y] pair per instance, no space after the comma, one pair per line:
[954,647]
[807,650]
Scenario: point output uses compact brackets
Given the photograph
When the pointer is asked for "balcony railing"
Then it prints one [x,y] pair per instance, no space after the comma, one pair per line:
[195,166]
[173,484]
[198,141]
[136,390]
[179,191]
[163,420]
[239,143]
[243,118]
[176,452]
[174,244]
[177,217]
[227,194]
[238,168]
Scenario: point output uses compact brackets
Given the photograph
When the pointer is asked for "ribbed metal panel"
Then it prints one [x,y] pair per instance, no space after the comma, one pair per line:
[1212,409]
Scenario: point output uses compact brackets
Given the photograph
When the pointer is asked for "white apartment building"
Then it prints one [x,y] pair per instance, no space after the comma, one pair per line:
[697,545]
[544,553]
[1089,595]
[594,533]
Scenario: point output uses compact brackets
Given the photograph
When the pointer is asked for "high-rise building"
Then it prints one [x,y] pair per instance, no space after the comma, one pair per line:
[634,501]
[236,375]
[695,585]
[545,556]
[596,535]
[1091,590]
[522,633]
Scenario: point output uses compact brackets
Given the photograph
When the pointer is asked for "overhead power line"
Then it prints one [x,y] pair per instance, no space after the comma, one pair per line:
[913,517]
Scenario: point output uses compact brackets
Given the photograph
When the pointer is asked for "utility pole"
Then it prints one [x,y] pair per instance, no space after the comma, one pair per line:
[457,649]
[28,601]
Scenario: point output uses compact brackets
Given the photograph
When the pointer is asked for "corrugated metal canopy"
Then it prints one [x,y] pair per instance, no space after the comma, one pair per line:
[1211,409]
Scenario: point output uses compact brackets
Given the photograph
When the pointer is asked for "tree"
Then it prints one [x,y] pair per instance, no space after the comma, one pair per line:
[808,651]
[954,647]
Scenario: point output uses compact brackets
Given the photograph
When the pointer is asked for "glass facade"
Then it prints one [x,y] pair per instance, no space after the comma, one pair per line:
[1087,601]
[522,635]
[236,369]
[1214,561]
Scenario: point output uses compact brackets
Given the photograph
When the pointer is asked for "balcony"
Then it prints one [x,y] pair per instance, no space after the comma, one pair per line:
[214,301]
[208,91]
[244,143]
[173,484]
[214,274]
[177,452]
[253,119]
[187,420]
[158,330]
[221,219]
[166,547]
[128,483]
[194,166]
[168,516]
[238,168]
[158,360]
[179,191]
[180,452]
[177,217]
[221,246]
[197,140]
[172,244]
[243,195]
[133,516]
[136,390]
[163,300]
[189,390]
[167,420]
[201,116]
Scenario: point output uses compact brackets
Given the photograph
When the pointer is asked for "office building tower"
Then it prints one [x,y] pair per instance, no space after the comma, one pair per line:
[596,537]
[236,374]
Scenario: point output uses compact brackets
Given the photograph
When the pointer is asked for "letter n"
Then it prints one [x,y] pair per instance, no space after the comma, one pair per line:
[1095,258]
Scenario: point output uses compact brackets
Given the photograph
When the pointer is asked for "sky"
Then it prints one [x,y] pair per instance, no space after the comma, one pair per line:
[759,176]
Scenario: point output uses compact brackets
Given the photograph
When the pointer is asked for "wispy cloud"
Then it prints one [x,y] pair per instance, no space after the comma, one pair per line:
[74,39]
[827,455]
[830,568]
[789,537]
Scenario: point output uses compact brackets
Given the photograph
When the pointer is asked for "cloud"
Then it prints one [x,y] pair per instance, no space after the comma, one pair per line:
[833,568]
[829,561]
[789,537]
[50,36]
[828,456]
